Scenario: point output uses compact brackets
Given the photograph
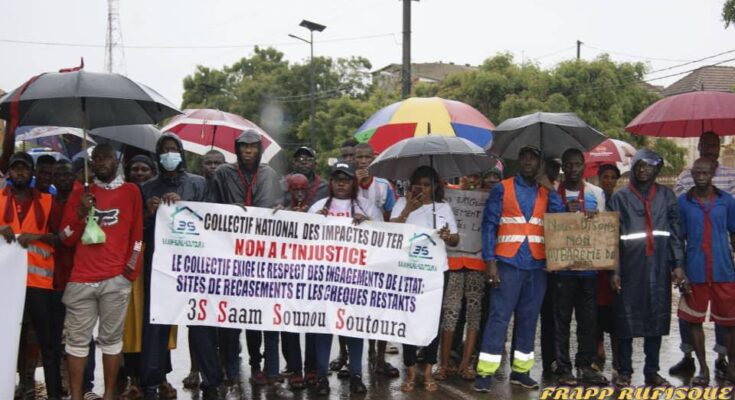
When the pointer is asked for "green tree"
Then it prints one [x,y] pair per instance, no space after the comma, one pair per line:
[273,93]
[605,94]
[340,119]
[728,12]
[673,155]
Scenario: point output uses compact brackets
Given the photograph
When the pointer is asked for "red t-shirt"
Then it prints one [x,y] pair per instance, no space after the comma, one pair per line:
[119,213]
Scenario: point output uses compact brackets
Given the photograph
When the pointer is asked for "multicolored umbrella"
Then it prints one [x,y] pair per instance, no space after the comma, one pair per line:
[421,116]
[205,129]
[687,115]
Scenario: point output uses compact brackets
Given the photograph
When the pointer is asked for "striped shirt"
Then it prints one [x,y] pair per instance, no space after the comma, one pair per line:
[724,179]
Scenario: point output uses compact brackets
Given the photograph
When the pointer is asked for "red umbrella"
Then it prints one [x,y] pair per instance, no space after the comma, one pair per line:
[687,115]
[610,151]
[202,130]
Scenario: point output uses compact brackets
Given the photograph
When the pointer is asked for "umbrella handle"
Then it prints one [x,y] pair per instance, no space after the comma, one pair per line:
[214,135]
[84,143]
[433,200]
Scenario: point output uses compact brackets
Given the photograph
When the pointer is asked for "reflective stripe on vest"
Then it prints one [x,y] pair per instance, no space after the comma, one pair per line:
[514,229]
[40,254]
[34,269]
[642,235]
[40,251]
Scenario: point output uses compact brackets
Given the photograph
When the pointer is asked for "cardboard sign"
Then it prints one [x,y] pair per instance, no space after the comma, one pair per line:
[467,206]
[574,242]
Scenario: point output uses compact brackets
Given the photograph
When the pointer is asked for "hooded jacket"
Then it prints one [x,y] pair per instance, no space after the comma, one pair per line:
[643,308]
[188,186]
[229,188]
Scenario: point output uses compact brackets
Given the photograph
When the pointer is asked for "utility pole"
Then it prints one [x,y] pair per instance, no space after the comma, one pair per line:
[406,67]
[579,47]
[114,51]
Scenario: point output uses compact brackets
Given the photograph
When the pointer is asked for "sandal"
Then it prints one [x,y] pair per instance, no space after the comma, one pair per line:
[310,379]
[468,374]
[338,363]
[441,374]
[167,391]
[388,370]
[701,380]
[407,386]
[296,382]
[431,386]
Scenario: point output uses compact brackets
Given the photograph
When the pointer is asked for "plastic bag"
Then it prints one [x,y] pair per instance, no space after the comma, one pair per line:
[93,234]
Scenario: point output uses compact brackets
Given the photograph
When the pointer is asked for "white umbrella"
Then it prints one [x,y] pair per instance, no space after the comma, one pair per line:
[38,132]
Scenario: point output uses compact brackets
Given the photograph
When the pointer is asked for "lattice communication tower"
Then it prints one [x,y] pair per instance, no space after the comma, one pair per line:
[114,50]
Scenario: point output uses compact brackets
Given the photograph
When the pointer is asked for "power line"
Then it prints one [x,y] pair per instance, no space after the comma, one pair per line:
[553,53]
[691,62]
[649,80]
[688,71]
[191,47]
[635,56]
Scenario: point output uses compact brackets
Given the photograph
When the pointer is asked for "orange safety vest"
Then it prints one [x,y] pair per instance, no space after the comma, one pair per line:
[514,229]
[40,255]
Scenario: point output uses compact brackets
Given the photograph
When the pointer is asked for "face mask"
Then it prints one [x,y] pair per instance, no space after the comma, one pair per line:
[169,161]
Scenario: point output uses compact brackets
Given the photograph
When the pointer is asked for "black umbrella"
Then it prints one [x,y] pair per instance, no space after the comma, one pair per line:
[553,133]
[450,156]
[86,100]
[141,136]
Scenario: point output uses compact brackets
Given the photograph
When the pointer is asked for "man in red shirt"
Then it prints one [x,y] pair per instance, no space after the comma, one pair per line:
[100,281]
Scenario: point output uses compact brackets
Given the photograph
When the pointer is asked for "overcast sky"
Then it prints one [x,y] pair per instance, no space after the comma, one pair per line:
[663,33]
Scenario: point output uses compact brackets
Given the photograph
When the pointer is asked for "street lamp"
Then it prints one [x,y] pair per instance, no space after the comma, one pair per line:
[311,26]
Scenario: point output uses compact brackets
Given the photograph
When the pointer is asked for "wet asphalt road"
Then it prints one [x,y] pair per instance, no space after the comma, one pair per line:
[385,388]
[454,388]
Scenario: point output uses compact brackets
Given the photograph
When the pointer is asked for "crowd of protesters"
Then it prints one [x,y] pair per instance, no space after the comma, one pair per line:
[680,237]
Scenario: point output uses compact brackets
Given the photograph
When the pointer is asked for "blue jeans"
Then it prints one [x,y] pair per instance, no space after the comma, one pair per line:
[651,347]
[255,339]
[686,338]
[154,354]
[310,364]
[521,292]
[323,343]
[230,348]
[291,349]
[272,357]
[203,341]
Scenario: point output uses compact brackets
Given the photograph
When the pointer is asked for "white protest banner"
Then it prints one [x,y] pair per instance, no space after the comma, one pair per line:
[468,206]
[12,297]
[219,265]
